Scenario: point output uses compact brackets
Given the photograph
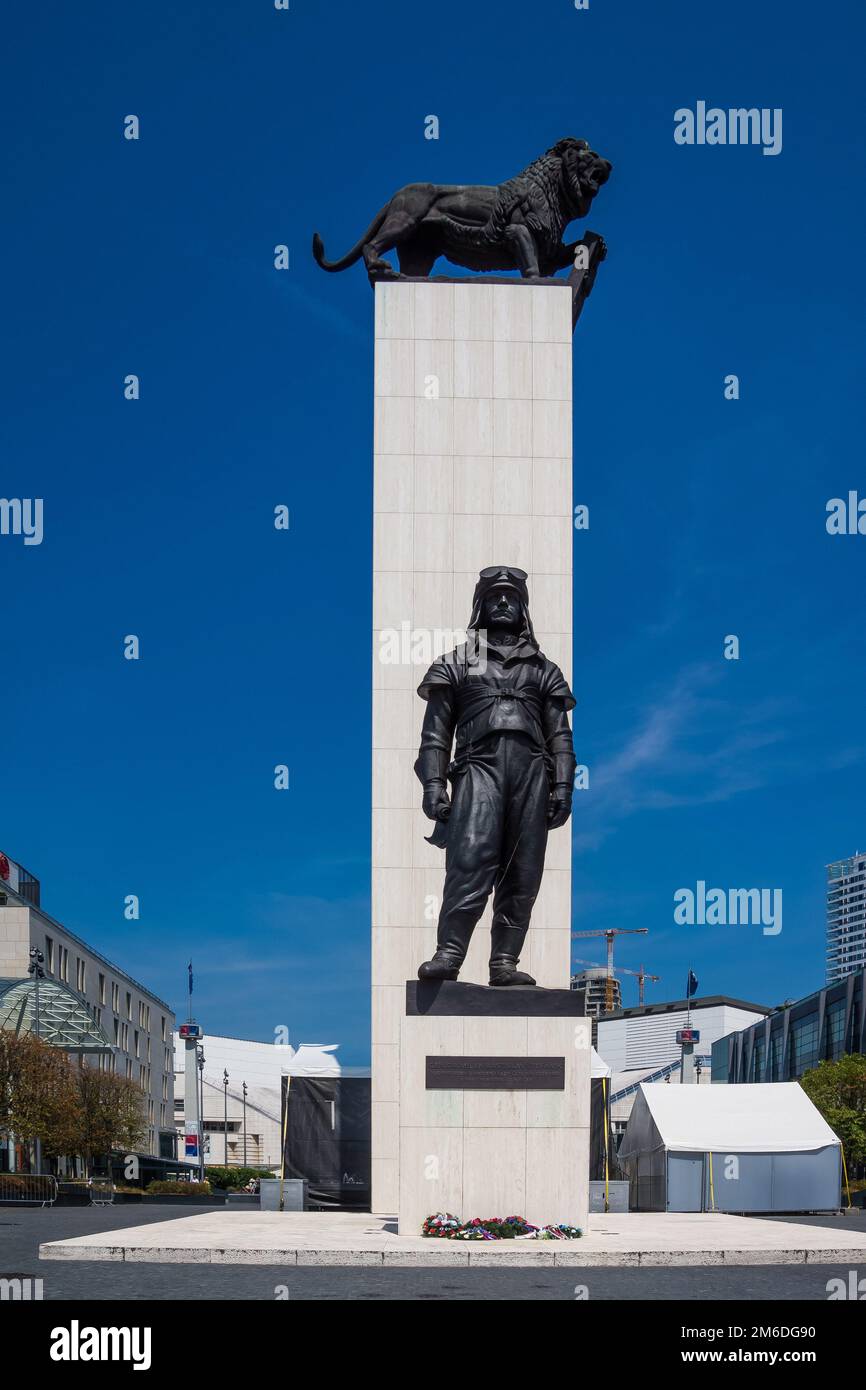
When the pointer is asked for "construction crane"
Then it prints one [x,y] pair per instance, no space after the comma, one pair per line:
[609,933]
[640,975]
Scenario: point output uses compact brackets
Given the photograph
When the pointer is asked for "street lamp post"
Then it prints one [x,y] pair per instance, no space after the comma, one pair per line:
[37,970]
[243,1123]
[225,1117]
[199,1057]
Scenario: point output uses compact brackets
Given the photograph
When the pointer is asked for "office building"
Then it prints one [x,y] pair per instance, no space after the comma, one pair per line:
[645,1037]
[846,917]
[795,1038]
[130,1029]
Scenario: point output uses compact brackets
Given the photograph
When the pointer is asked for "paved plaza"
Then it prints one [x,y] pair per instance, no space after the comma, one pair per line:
[23,1230]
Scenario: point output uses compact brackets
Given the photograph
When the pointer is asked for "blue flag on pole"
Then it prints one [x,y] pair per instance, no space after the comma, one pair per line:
[691,985]
[190,977]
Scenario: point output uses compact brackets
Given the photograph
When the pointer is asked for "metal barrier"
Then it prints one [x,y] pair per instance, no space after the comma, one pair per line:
[37,1188]
[101,1191]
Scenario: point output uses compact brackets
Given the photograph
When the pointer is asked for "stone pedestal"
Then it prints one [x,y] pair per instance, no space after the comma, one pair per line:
[494,1105]
[473,431]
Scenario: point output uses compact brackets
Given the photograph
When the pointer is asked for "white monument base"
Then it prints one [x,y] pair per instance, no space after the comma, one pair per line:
[494,1105]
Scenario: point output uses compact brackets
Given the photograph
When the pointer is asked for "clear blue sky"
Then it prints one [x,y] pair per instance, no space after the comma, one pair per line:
[707,516]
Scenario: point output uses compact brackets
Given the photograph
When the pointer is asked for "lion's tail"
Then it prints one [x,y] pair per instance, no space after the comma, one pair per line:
[357,250]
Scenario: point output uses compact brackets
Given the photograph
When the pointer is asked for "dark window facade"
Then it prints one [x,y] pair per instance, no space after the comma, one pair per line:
[823,1026]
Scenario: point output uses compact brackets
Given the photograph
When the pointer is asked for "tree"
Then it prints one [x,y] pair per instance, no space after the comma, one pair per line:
[73,1109]
[109,1114]
[37,1092]
[838,1090]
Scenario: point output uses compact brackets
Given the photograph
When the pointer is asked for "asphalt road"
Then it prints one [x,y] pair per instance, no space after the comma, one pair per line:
[23,1230]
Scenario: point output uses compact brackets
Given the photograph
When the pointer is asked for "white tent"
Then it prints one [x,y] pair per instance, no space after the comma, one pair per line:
[730,1148]
[597,1067]
[777,1117]
[314,1059]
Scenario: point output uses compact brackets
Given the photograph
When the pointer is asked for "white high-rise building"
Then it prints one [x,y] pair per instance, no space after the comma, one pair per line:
[846,917]
[593,983]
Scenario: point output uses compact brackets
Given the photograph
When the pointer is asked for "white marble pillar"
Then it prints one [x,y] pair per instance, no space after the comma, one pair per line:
[472,441]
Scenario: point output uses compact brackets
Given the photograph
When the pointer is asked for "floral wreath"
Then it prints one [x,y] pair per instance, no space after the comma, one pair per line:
[444,1226]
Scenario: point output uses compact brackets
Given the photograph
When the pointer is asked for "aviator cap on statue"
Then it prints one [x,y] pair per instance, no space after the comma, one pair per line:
[503,577]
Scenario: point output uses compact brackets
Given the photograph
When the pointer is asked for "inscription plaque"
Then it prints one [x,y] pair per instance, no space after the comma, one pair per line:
[495,1074]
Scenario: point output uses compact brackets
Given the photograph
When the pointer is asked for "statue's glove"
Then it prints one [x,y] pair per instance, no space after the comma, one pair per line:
[436,801]
[560,806]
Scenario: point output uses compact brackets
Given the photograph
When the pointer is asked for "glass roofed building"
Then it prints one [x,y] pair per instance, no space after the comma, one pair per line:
[52,1012]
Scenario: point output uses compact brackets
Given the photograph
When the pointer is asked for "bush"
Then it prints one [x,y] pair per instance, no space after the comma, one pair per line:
[15,1182]
[233,1178]
[171,1188]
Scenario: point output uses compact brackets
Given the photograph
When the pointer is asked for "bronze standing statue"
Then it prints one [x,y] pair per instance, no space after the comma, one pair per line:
[513,225]
[512,775]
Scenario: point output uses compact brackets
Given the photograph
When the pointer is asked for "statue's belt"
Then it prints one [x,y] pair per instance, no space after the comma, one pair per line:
[480,703]
[475,704]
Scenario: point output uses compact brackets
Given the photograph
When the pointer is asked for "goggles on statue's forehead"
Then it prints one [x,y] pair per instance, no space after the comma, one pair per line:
[496,572]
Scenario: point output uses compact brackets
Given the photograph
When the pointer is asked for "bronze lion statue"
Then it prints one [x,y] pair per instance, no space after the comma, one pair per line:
[508,226]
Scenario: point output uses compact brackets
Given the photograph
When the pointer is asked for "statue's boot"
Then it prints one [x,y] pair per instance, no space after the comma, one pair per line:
[506,945]
[455,934]
[443,966]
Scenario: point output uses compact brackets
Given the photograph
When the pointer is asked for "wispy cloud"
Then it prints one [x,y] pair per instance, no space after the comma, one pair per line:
[691,746]
[325,312]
